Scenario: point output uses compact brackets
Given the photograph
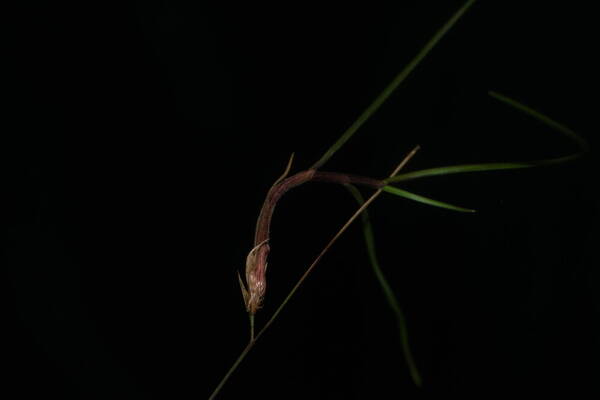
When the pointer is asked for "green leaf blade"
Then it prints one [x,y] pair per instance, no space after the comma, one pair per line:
[383,96]
[484,167]
[424,200]
[387,289]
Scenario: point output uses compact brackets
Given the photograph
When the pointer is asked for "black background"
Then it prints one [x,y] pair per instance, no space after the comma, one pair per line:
[140,141]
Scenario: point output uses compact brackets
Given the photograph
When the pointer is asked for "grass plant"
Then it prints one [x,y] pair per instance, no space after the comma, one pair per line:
[254,285]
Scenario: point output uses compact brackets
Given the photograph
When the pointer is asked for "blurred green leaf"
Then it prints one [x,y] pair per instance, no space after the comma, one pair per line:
[581,142]
[458,169]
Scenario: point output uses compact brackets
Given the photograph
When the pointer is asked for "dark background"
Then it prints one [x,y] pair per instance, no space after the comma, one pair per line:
[140,141]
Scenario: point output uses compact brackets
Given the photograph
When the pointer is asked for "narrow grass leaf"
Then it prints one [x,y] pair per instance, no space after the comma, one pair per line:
[383,96]
[424,200]
[386,288]
[465,168]
[581,142]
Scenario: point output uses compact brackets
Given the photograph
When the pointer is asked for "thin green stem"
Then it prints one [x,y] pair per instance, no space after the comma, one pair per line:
[383,96]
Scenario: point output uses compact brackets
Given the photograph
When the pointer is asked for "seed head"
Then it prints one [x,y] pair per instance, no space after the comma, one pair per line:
[256,269]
